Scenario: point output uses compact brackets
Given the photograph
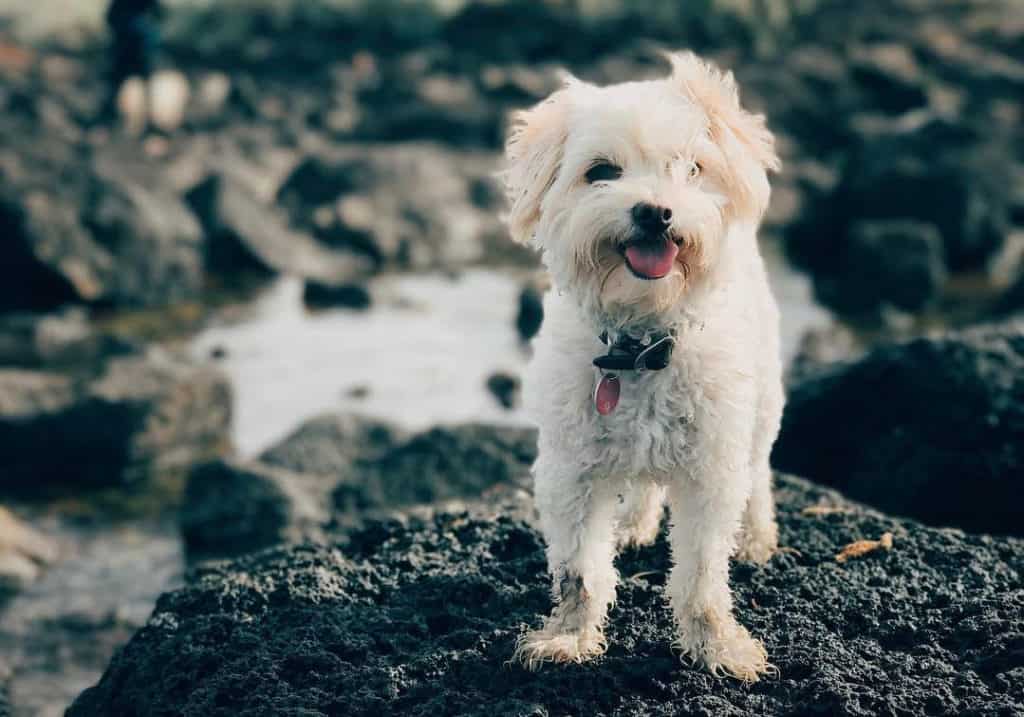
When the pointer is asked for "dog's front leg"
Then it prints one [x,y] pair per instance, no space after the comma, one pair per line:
[706,512]
[577,517]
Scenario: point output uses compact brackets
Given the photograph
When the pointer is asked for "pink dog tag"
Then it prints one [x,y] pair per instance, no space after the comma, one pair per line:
[606,396]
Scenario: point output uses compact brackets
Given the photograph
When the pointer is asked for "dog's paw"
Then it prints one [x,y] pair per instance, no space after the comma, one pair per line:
[539,646]
[724,648]
[758,546]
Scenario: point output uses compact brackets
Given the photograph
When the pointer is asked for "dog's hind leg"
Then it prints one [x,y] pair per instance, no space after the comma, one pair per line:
[759,538]
[640,515]
[577,517]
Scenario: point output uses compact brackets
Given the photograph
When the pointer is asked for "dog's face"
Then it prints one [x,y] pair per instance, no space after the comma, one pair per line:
[630,190]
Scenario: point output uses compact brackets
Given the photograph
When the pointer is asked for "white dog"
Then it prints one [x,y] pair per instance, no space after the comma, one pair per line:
[657,371]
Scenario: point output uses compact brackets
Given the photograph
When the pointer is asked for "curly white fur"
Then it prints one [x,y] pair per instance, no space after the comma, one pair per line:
[699,431]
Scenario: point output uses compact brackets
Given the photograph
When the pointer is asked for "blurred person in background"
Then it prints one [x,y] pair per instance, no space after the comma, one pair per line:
[135,39]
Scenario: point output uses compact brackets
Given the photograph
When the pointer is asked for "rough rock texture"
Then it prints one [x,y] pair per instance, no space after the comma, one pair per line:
[931,428]
[439,464]
[419,617]
[133,418]
[337,471]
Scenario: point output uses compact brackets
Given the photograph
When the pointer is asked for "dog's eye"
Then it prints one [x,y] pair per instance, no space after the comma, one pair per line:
[695,170]
[603,172]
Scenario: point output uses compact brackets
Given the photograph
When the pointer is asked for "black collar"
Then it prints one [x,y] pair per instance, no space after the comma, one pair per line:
[652,353]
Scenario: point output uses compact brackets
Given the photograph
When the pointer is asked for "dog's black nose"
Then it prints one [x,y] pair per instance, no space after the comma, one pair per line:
[651,219]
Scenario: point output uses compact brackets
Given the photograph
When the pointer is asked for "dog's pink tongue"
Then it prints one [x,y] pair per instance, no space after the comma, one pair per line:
[652,260]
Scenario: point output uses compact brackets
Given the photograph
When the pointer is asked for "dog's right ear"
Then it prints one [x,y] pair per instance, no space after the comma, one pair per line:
[534,152]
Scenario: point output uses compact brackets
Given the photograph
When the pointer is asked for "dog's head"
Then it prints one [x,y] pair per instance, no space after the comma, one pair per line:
[630,190]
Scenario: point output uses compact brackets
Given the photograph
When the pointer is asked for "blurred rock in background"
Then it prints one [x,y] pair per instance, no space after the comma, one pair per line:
[932,428]
[136,417]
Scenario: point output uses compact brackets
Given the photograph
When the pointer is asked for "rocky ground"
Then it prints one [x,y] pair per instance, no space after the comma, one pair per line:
[420,615]
[340,148]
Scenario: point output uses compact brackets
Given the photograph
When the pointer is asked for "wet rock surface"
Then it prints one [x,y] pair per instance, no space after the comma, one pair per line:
[420,616]
[135,417]
[930,428]
[59,632]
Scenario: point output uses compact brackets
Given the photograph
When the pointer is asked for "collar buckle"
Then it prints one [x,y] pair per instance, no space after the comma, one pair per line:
[629,354]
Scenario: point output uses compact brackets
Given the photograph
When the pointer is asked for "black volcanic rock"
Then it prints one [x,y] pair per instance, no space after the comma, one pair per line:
[236,507]
[419,617]
[946,175]
[233,507]
[931,428]
[505,388]
[131,418]
[530,315]
[886,263]
[890,77]
[338,471]
[444,463]
[347,296]
[1011,301]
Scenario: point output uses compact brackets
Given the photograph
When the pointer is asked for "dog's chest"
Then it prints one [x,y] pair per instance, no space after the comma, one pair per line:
[652,428]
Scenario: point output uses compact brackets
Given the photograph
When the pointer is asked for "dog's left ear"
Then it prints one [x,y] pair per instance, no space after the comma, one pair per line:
[534,152]
[744,138]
